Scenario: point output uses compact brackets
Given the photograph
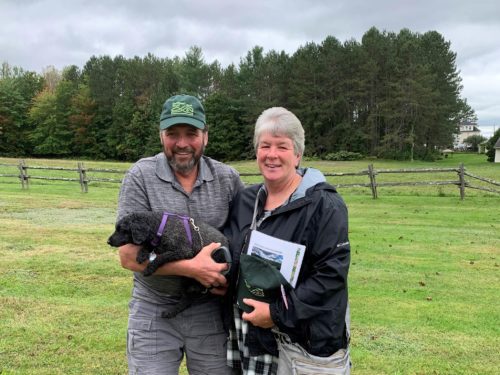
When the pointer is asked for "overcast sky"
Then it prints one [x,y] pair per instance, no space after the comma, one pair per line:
[38,33]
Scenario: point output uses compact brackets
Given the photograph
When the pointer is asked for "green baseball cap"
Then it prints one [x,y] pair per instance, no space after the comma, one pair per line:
[182,109]
[258,280]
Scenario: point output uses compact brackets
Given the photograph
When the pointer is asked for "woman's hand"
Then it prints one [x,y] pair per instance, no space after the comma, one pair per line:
[261,314]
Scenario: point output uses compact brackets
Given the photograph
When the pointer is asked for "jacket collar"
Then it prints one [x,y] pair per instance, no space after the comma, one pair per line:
[310,177]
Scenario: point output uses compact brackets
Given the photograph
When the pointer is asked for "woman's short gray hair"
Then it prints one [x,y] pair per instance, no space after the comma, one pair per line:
[280,121]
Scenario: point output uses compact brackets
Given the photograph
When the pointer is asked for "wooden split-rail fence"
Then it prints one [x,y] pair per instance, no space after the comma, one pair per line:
[82,178]
[371,172]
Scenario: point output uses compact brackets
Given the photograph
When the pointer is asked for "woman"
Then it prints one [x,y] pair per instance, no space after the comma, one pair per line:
[309,321]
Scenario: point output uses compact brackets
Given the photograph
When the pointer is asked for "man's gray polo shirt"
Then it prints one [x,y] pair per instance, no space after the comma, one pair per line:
[150,185]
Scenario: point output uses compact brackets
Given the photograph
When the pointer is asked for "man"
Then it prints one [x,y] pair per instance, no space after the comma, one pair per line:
[179,180]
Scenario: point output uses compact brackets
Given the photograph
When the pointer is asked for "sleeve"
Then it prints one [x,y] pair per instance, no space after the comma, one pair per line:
[233,235]
[133,195]
[236,183]
[325,285]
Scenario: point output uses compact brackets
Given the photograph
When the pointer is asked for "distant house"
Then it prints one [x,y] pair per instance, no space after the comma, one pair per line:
[497,151]
[466,129]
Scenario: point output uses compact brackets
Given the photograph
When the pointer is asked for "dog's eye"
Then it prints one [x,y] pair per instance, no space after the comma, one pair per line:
[122,227]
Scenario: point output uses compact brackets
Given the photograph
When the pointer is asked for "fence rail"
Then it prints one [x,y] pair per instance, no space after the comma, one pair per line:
[82,178]
[372,174]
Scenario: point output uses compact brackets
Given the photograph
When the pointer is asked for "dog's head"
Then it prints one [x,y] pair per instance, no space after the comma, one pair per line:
[129,230]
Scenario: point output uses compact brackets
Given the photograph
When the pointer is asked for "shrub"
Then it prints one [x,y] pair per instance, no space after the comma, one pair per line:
[343,156]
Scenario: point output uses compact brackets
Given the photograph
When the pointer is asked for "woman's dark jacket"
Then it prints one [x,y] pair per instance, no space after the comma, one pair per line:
[316,218]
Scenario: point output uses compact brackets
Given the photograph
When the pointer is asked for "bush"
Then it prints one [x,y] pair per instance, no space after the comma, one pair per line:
[343,156]
[313,157]
[490,146]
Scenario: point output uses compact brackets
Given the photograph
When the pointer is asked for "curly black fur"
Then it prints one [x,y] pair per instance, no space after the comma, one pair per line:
[140,228]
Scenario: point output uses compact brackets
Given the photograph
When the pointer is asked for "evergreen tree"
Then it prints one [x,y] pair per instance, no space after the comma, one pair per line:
[376,69]
[195,74]
[229,136]
[305,94]
[490,146]
[99,74]
[390,95]
[12,119]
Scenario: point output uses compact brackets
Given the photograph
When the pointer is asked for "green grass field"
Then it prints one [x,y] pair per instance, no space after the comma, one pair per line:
[424,276]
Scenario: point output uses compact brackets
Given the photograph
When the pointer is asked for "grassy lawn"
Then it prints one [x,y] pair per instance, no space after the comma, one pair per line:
[424,275]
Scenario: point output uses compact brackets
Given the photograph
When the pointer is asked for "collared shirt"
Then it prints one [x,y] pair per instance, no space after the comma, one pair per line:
[150,185]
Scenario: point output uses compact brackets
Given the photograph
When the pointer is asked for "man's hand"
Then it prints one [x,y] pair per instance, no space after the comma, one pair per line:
[202,267]
[128,255]
[261,314]
[205,270]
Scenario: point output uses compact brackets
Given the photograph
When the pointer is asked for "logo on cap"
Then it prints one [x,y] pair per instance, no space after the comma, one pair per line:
[180,108]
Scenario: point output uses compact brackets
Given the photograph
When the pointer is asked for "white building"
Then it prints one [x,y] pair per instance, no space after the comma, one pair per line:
[466,129]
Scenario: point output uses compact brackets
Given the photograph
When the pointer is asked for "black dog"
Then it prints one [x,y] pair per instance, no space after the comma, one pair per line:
[165,237]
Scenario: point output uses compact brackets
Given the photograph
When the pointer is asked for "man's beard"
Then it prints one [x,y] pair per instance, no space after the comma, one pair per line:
[184,167]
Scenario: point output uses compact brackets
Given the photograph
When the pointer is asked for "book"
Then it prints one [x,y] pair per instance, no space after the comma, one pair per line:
[286,256]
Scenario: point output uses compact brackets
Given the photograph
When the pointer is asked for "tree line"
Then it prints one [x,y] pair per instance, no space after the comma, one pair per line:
[391,95]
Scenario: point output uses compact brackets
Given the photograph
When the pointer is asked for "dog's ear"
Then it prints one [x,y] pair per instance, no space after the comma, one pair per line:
[139,232]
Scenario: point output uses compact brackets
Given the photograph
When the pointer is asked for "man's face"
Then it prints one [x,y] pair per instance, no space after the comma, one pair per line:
[183,145]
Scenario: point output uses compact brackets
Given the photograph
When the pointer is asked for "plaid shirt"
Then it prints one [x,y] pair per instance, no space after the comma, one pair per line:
[238,353]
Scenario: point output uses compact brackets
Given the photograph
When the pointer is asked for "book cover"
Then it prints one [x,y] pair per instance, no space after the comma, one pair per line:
[286,256]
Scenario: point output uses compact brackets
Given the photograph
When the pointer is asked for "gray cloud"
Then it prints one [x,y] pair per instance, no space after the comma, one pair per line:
[38,33]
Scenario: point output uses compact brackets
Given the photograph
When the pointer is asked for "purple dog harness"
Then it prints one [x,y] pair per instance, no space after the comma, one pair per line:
[185,219]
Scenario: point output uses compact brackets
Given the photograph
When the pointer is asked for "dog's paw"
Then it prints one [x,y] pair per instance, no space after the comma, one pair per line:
[142,256]
[150,269]
[153,266]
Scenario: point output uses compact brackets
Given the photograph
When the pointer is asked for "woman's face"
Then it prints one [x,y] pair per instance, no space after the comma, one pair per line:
[276,157]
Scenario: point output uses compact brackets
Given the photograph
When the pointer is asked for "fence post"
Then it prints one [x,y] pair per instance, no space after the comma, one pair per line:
[83,177]
[461,178]
[373,182]
[23,174]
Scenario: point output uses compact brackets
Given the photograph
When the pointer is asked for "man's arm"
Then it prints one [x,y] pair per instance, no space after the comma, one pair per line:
[202,267]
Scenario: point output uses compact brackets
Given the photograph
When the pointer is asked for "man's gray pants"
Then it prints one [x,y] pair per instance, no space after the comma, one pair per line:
[157,345]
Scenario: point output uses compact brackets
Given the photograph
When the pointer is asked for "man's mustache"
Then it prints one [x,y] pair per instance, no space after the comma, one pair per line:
[185,149]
